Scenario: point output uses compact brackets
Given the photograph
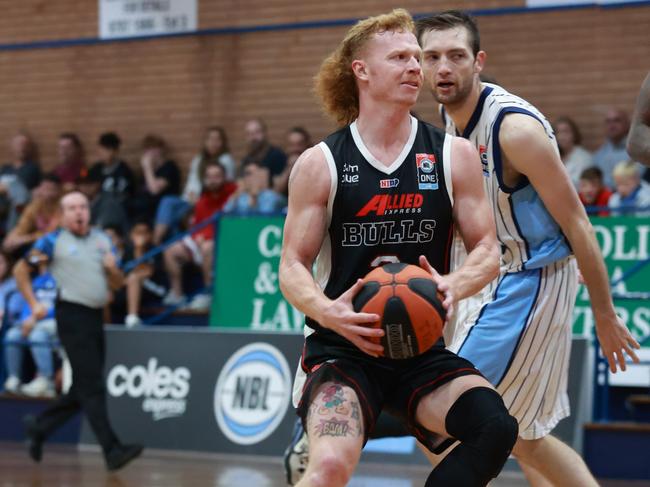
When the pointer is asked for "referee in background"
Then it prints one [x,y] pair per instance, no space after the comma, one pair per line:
[83,263]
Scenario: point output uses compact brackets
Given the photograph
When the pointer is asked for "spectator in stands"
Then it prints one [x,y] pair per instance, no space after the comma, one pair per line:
[199,247]
[72,163]
[116,176]
[173,209]
[161,177]
[261,151]
[575,157]
[631,192]
[146,282]
[298,141]
[39,334]
[41,216]
[255,195]
[7,283]
[617,124]
[14,195]
[24,161]
[105,209]
[593,192]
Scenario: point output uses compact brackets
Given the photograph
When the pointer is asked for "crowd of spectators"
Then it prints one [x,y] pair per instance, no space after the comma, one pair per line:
[142,205]
[606,179]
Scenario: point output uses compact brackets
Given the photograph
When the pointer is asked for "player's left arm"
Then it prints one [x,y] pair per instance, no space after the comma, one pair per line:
[529,151]
[474,220]
[638,142]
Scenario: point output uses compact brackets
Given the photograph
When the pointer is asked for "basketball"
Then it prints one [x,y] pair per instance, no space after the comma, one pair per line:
[409,305]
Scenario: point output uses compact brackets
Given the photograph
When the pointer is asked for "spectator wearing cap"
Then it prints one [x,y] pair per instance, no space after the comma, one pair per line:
[116,176]
[106,210]
[593,192]
[161,177]
[632,194]
[39,217]
[72,163]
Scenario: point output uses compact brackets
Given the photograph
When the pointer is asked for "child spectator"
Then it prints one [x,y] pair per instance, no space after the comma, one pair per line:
[145,283]
[593,192]
[39,335]
[632,194]
[116,177]
[199,247]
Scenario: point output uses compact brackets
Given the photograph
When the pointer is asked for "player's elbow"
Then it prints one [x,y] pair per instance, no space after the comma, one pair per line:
[638,147]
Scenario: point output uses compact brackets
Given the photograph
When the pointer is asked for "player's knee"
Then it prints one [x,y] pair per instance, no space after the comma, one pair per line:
[480,418]
[330,470]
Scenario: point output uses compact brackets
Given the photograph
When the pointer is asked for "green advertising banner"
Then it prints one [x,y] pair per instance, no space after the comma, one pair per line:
[247,289]
[624,243]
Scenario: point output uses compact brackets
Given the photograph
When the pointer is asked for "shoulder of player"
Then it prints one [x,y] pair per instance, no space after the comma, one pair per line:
[310,172]
[519,129]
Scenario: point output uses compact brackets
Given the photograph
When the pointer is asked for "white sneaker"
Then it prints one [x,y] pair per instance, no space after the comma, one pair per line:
[200,302]
[132,320]
[172,299]
[39,387]
[12,384]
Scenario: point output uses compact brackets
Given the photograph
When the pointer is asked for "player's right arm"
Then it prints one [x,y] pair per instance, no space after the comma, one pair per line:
[638,142]
[304,231]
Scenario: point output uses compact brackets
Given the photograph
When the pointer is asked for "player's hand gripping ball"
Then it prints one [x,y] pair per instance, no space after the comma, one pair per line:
[409,305]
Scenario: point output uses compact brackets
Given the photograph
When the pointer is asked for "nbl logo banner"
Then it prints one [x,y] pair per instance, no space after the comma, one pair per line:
[427,171]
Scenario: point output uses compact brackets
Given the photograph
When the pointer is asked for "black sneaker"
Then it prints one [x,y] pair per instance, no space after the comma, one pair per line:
[34,438]
[296,456]
[119,456]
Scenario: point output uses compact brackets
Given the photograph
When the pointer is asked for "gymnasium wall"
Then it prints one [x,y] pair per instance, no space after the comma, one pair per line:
[571,62]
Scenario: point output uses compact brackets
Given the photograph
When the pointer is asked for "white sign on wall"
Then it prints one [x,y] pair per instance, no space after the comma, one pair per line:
[138,18]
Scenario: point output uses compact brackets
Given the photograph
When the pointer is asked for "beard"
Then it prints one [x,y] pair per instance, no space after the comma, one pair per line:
[456,96]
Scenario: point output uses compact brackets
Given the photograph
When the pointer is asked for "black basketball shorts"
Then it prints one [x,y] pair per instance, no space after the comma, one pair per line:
[380,383]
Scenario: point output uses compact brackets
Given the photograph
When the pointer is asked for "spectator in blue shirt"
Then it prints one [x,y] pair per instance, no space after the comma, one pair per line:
[617,124]
[39,334]
[255,196]
[631,192]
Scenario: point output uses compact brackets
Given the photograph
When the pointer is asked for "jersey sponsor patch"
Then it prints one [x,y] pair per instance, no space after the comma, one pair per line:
[482,151]
[392,204]
[427,171]
[388,183]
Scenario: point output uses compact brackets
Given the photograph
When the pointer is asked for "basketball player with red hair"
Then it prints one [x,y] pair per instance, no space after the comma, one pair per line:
[386,188]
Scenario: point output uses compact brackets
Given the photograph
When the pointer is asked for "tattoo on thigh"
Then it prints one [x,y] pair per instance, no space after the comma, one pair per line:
[332,427]
[356,415]
[333,399]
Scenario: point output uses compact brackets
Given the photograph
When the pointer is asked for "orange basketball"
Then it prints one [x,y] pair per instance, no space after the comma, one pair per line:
[410,307]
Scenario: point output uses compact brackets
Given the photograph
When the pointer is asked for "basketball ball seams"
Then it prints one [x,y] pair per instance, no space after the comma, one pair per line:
[426,287]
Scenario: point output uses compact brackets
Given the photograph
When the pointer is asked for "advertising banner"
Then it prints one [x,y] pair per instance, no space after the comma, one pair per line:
[247,288]
[201,389]
[624,243]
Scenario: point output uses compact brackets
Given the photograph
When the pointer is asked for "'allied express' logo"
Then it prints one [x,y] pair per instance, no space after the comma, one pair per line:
[391,204]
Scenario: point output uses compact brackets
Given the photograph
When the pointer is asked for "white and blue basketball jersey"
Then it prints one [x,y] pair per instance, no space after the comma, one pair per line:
[517,330]
[529,236]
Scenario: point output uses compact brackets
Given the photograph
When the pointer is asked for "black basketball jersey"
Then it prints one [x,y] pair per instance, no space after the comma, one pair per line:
[380,214]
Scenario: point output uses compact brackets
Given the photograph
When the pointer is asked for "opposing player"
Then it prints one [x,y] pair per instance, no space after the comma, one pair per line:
[638,142]
[386,188]
[518,331]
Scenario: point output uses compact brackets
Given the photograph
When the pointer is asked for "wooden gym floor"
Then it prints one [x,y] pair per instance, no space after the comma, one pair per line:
[68,466]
